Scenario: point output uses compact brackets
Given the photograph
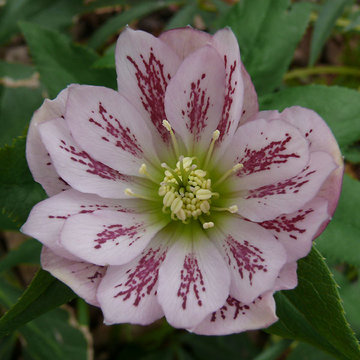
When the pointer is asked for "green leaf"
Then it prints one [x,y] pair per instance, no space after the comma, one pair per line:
[18,191]
[61,62]
[340,241]
[307,352]
[43,294]
[329,13]
[15,71]
[313,313]
[52,333]
[108,59]
[7,347]
[268,33]
[114,25]
[275,351]
[27,253]
[55,13]
[183,17]
[350,294]
[328,102]
[14,119]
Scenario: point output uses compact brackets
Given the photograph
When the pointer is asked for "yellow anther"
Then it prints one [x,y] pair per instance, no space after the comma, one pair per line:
[129,192]
[181,214]
[162,190]
[208,225]
[168,127]
[143,171]
[233,209]
[203,194]
[176,205]
[205,206]
[168,198]
[233,170]
[200,173]
[216,135]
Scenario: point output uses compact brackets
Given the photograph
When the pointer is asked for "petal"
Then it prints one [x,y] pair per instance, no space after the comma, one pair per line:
[107,237]
[47,218]
[297,230]
[37,156]
[128,292]
[250,104]
[253,255]
[83,278]
[287,278]
[269,151]
[235,317]
[185,41]
[193,280]
[225,42]
[320,138]
[108,128]
[195,97]
[284,197]
[77,167]
[144,66]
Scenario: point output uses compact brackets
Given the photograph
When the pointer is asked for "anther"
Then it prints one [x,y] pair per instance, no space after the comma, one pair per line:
[143,171]
[168,127]
[203,194]
[233,170]
[172,172]
[232,209]
[208,225]
[129,192]
[215,136]
[176,205]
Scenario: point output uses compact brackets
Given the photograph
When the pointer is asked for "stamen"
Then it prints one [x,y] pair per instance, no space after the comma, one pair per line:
[215,136]
[173,173]
[129,192]
[184,174]
[143,171]
[168,127]
[233,170]
[232,209]
[208,225]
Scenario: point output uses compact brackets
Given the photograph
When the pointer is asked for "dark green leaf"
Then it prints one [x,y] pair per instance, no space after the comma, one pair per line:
[313,313]
[15,71]
[43,294]
[18,191]
[51,333]
[108,59]
[61,62]
[183,17]
[275,351]
[328,15]
[115,24]
[339,107]
[307,352]
[27,253]
[7,346]
[14,119]
[268,33]
[340,241]
[55,13]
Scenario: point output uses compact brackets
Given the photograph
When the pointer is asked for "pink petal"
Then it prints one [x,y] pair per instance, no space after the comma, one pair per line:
[144,66]
[47,218]
[77,167]
[253,255]
[320,138]
[195,97]
[287,278]
[225,42]
[108,128]
[128,292]
[107,237]
[83,278]
[235,317]
[193,281]
[250,104]
[37,156]
[287,196]
[297,230]
[185,41]
[269,151]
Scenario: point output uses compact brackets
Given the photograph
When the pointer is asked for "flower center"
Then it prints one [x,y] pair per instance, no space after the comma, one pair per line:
[186,192]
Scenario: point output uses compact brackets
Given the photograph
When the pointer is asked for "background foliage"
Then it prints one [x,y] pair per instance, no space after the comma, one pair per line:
[297,52]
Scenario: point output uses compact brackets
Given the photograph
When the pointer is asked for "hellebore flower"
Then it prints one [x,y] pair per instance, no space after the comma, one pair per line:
[174,196]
